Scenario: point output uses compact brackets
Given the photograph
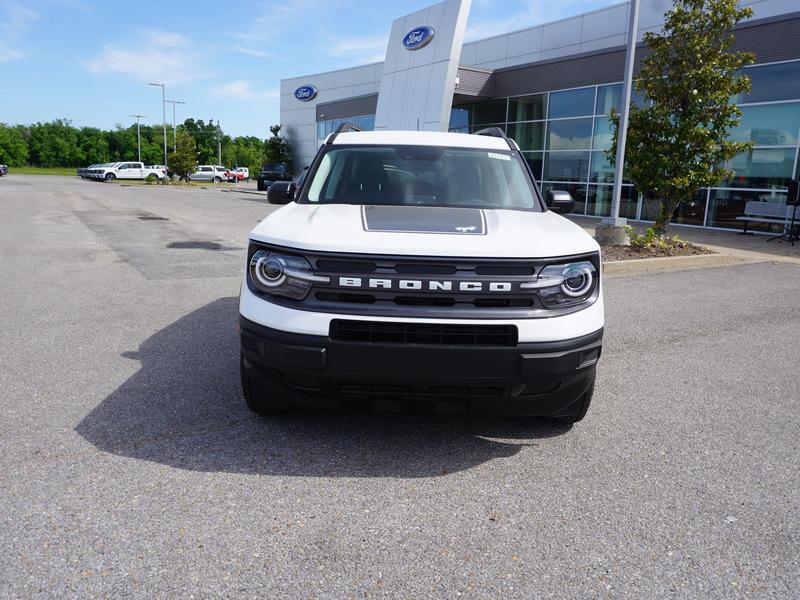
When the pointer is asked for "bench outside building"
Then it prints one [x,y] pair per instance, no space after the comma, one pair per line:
[773,213]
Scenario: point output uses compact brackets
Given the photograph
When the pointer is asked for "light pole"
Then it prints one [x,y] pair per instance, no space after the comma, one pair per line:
[219,146]
[174,127]
[614,223]
[138,134]
[164,114]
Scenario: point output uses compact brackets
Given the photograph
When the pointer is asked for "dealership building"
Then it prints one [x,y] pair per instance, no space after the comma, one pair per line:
[551,88]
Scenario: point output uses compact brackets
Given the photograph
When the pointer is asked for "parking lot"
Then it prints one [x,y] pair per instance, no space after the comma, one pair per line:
[131,466]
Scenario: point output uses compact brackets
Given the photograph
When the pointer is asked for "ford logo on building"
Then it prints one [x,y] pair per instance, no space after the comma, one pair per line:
[305,93]
[418,37]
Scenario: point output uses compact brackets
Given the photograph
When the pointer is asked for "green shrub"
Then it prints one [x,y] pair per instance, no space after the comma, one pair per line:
[651,240]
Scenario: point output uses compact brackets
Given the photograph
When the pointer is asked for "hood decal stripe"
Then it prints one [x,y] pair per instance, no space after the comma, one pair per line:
[423,219]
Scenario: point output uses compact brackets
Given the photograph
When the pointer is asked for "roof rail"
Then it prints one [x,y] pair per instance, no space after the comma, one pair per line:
[496,131]
[342,128]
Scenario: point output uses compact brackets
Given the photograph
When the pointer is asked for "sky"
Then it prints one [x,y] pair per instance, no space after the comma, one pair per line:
[91,62]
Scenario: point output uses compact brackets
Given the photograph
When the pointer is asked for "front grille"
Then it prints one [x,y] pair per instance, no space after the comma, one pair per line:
[367,285]
[423,333]
[464,392]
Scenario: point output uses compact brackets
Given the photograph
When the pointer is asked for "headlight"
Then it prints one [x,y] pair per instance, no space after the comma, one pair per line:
[566,285]
[282,275]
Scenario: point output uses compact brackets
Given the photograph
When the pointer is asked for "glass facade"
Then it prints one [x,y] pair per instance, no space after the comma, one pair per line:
[325,128]
[563,135]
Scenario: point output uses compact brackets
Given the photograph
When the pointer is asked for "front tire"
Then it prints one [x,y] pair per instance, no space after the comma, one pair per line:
[110,177]
[217,180]
[582,406]
[256,395]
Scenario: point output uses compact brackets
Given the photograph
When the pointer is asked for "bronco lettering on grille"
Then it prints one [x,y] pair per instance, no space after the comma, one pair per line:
[429,285]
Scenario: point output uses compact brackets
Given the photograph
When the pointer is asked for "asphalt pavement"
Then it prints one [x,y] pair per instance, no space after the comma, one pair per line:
[129,464]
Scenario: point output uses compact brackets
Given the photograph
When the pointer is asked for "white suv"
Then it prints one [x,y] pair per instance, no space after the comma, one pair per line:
[209,173]
[421,271]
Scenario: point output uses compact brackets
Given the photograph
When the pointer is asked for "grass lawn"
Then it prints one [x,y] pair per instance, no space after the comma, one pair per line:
[42,171]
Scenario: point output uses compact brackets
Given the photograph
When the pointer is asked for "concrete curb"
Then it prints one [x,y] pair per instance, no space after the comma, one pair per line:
[676,263]
[254,192]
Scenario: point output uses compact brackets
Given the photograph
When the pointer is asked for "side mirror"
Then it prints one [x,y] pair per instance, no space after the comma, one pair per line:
[280,192]
[560,202]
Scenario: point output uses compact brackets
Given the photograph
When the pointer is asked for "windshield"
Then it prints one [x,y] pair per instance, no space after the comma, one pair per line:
[422,176]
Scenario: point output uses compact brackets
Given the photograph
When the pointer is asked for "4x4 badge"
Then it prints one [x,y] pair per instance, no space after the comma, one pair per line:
[466,229]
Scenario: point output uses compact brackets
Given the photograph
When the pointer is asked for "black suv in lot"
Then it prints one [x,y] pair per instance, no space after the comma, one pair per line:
[271,173]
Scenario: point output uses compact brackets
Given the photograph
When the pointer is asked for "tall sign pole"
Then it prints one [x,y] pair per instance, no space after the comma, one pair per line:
[633,26]
[174,126]
[164,114]
[219,146]
[138,135]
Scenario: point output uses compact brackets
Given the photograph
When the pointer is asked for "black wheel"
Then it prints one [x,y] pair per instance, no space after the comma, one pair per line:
[152,177]
[110,177]
[257,395]
[217,180]
[259,187]
[582,406]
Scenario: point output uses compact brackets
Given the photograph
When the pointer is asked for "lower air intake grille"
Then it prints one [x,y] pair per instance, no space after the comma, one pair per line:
[423,333]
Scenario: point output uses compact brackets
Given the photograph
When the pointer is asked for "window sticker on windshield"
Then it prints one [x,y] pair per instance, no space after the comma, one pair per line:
[499,156]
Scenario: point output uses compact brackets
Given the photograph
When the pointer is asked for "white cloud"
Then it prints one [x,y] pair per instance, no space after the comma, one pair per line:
[157,56]
[360,50]
[271,18]
[243,90]
[533,12]
[14,21]
[7,54]
[165,39]
[252,52]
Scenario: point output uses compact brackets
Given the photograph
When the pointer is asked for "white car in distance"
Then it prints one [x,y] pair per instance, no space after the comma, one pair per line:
[209,174]
[127,170]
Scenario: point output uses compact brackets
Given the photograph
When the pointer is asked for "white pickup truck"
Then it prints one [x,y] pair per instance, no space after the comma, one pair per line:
[127,170]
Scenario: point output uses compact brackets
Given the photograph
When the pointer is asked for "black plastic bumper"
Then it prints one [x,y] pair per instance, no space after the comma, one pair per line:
[542,378]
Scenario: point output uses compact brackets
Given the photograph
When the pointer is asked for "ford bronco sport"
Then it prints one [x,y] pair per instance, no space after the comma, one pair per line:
[420,271]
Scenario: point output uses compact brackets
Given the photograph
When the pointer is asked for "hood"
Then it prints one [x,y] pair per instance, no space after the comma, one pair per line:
[423,231]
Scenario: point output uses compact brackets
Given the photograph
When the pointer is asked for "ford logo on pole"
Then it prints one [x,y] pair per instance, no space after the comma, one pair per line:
[305,93]
[418,37]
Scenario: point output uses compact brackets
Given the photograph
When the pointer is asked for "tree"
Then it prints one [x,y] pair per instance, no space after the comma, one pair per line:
[243,151]
[54,144]
[184,159]
[205,137]
[13,149]
[276,148]
[92,145]
[680,143]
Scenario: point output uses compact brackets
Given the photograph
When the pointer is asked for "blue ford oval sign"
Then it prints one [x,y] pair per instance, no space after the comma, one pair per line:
[418,37]
[305,93]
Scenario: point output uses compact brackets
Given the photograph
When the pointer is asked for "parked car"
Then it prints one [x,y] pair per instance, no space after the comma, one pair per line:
[302,177]
[421,271]
[3,170]
[83,172]
[97,171]
[209,173]
[238,174]
[162,171]
[127,170]
[271,173]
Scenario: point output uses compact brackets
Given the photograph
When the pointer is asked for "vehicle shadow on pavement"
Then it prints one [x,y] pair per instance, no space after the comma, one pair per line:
[184,408]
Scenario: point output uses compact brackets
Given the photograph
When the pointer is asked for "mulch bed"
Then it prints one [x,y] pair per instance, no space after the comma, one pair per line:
[633,253]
